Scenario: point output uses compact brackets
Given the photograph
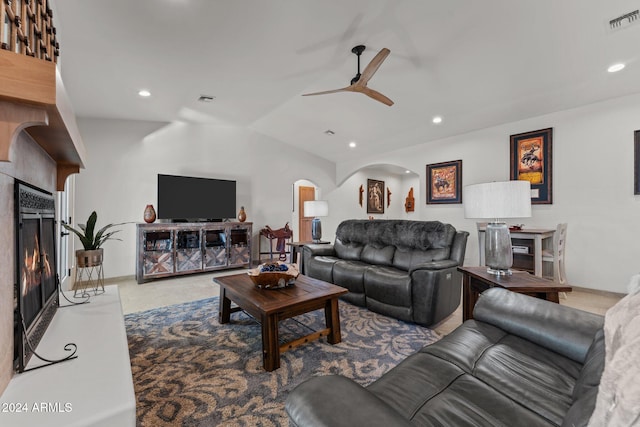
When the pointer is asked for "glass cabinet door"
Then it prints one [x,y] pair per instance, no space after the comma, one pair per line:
[215,248]
[188,250]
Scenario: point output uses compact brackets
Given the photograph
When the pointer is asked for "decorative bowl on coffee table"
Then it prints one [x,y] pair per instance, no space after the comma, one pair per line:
[274,275]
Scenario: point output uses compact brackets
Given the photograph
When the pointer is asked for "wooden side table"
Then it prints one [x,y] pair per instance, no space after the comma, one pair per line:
[534,239]
[296,248]
[476,280]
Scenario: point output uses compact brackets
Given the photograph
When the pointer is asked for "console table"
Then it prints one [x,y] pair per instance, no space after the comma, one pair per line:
[171,249]
[476,280]
[96,389]
[532,239]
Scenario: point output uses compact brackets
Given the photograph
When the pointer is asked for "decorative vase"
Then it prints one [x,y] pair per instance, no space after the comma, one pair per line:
[149,214]
[242,215]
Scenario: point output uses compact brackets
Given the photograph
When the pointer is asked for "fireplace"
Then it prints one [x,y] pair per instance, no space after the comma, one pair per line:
[36,293]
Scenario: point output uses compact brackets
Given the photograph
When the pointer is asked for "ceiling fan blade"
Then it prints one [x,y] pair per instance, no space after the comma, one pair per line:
[376,95]
[373,66]
[344,89]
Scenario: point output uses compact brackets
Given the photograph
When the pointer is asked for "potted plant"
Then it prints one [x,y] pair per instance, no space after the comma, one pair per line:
[92,254]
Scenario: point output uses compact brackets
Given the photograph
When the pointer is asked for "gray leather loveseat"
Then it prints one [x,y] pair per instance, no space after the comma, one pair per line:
[403,269]
[521,362]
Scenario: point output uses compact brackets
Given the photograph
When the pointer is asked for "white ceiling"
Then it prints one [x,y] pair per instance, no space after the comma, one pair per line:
[475,63]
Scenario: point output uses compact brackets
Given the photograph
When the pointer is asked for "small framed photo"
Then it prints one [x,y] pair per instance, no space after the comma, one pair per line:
[636,169]
[444,182]
[375,196]
[531,161]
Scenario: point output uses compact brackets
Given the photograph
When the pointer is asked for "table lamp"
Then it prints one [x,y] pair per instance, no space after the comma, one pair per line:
[316,209]
[496,200]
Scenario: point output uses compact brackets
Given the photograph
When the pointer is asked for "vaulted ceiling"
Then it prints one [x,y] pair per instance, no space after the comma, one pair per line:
[475,63]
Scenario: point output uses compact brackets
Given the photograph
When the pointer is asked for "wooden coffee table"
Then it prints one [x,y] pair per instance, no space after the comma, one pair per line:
[270,306]
[476,280]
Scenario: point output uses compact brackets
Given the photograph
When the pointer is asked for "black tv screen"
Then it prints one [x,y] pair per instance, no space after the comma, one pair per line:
[191,198]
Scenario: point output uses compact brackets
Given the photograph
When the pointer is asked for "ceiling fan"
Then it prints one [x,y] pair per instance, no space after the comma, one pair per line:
[359,82]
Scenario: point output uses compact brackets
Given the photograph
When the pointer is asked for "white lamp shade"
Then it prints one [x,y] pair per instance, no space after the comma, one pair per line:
[316,208]
[507,199]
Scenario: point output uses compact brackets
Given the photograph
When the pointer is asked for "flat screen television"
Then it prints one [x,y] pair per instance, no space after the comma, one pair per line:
[186,198]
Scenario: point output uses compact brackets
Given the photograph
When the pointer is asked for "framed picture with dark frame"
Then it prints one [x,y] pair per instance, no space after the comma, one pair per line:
[636,169]
[444,182]
[375,196]
[531,161]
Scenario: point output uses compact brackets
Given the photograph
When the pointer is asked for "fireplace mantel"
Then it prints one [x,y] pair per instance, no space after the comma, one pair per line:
[33,99]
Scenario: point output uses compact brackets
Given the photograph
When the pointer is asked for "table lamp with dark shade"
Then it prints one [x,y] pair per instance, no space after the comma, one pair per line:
[316,209]
[496,201]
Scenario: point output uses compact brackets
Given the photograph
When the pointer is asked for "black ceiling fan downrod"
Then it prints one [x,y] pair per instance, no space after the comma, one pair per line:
[358,51]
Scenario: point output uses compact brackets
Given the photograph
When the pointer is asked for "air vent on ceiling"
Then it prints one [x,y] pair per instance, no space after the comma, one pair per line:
[624,21]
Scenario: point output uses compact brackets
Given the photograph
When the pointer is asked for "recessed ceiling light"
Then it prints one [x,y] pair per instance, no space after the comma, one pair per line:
[615,67]
[144,93]
[407,171]
[437,119]
[352,144]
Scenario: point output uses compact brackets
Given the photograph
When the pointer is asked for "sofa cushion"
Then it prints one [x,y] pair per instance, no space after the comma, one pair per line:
[377,254]
[321,267]
[407,258]
[388,285]
[389,292]
[540,379]
[537,378]
[420,235]
[432,392]
[465,344]
[348,250]
[350,275]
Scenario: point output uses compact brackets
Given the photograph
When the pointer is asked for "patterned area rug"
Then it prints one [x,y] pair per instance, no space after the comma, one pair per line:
[188,370]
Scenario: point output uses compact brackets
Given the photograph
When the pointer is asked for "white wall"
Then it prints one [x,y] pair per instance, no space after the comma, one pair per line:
[592,180]
[344,200]
[592,185]
[124,158]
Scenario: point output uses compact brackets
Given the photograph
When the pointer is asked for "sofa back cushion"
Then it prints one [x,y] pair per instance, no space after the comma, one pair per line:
[413,241]
[406,259]
[348,250]
[377,254]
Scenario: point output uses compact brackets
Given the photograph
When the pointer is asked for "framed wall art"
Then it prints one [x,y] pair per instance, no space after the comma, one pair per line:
[531,161]
[444,182]
[375,196]
[636,169]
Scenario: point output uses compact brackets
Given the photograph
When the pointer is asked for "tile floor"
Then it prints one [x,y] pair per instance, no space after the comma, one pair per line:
[163,292]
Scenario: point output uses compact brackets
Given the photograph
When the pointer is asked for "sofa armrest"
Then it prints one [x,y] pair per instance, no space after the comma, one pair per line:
[336,401]
[435,265]
[319,250]
[563,329]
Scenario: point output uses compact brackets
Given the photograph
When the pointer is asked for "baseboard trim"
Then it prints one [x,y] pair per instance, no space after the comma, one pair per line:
[599,292]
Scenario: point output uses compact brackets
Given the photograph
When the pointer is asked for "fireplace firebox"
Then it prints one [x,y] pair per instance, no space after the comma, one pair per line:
[36,287]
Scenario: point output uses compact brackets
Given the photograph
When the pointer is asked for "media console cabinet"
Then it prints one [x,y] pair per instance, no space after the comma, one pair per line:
[170,249]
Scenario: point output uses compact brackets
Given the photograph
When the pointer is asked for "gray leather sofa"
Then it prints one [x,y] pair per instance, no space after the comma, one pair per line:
[403,269]
[521,362]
